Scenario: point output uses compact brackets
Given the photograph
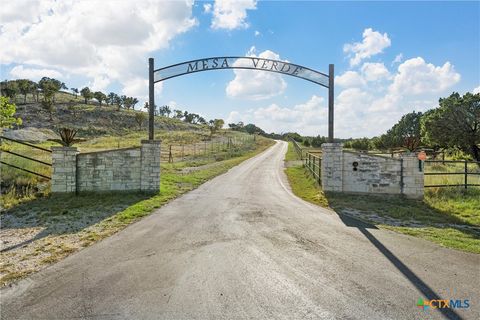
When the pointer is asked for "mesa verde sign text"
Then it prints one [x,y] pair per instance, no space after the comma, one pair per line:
[247,63]
[251,63]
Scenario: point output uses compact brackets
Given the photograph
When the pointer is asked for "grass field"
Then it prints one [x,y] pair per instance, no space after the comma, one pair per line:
[451,179]
[19,186]
[447,216]
[44,230]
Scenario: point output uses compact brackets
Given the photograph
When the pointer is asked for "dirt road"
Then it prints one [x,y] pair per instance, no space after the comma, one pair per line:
[242,246]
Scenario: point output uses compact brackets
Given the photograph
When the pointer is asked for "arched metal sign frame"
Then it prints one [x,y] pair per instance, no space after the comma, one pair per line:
[246,63]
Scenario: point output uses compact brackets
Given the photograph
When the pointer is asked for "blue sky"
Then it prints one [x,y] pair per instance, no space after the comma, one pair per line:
[390,57]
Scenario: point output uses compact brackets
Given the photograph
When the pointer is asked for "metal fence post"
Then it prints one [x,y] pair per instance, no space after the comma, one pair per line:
[466,175]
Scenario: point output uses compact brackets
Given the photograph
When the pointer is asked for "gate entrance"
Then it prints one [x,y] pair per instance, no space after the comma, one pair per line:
[249,63]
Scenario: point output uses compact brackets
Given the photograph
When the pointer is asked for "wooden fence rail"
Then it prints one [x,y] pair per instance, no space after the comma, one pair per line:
[314,164]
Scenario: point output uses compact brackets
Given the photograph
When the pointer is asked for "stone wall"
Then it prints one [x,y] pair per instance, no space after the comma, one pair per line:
[109,170]
[63,169]
[413,178]
[332,167]
[371,174]
[150,165]
[113,170]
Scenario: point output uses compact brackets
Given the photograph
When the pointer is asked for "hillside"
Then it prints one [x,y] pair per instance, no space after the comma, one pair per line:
[90,120]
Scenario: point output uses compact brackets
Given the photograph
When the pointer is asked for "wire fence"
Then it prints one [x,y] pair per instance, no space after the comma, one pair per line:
[224,147]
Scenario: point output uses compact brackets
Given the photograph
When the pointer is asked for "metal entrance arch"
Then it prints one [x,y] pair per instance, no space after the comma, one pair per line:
[248,63]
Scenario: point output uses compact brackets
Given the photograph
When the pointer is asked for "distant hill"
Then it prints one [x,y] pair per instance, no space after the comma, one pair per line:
[90,120]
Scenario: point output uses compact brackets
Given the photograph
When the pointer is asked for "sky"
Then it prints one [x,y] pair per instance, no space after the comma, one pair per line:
[390,57]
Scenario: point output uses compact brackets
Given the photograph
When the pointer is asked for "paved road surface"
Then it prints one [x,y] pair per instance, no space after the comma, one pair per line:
[242,246]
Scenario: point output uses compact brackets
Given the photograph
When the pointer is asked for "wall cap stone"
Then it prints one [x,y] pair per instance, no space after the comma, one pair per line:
[332,145]
[151,141]
[63,148]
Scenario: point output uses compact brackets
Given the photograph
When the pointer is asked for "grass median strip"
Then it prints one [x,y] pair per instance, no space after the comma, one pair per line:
[37,233]
[449,217]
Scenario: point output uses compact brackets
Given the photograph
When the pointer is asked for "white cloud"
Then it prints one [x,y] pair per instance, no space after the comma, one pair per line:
[373,43]
[476,90]
[398,58]
[19,72]
[415,76]
[308,118]
[230,14]
[257,33]
[374,71]
[207,8]
[349,79]
[106,42]
[254,85]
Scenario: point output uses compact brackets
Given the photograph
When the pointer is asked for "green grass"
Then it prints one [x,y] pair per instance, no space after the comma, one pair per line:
[304,186]
[71,222]
[291,153]
[457,167]
[449,217]
[21,186]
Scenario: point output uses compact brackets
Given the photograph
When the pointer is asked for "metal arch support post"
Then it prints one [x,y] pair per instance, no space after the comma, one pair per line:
[330,101]
[151,100]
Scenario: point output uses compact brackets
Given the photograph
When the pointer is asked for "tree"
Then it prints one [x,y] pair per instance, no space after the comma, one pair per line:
[86,94]
[48,102]
[236,126]
[25,87]
[100,97]
[35,91]
[406,132]
[49,87]
[52,86]
[360,144]
[134,101]
[75,92]
[111,98]
[164,111]
[317,141]
[7,112]
[455,124]
[178,114]
[201,120]
[252,129]
[140,118]
[118,101]
[9,89]
[215,125]
[124,101]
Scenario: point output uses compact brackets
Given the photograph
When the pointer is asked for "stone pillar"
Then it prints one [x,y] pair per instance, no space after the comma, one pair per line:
[64,169]
[150,166]
[332,167]
[413,178]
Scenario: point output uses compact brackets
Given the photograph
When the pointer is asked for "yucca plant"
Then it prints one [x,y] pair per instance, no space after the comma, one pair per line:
[67,137]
